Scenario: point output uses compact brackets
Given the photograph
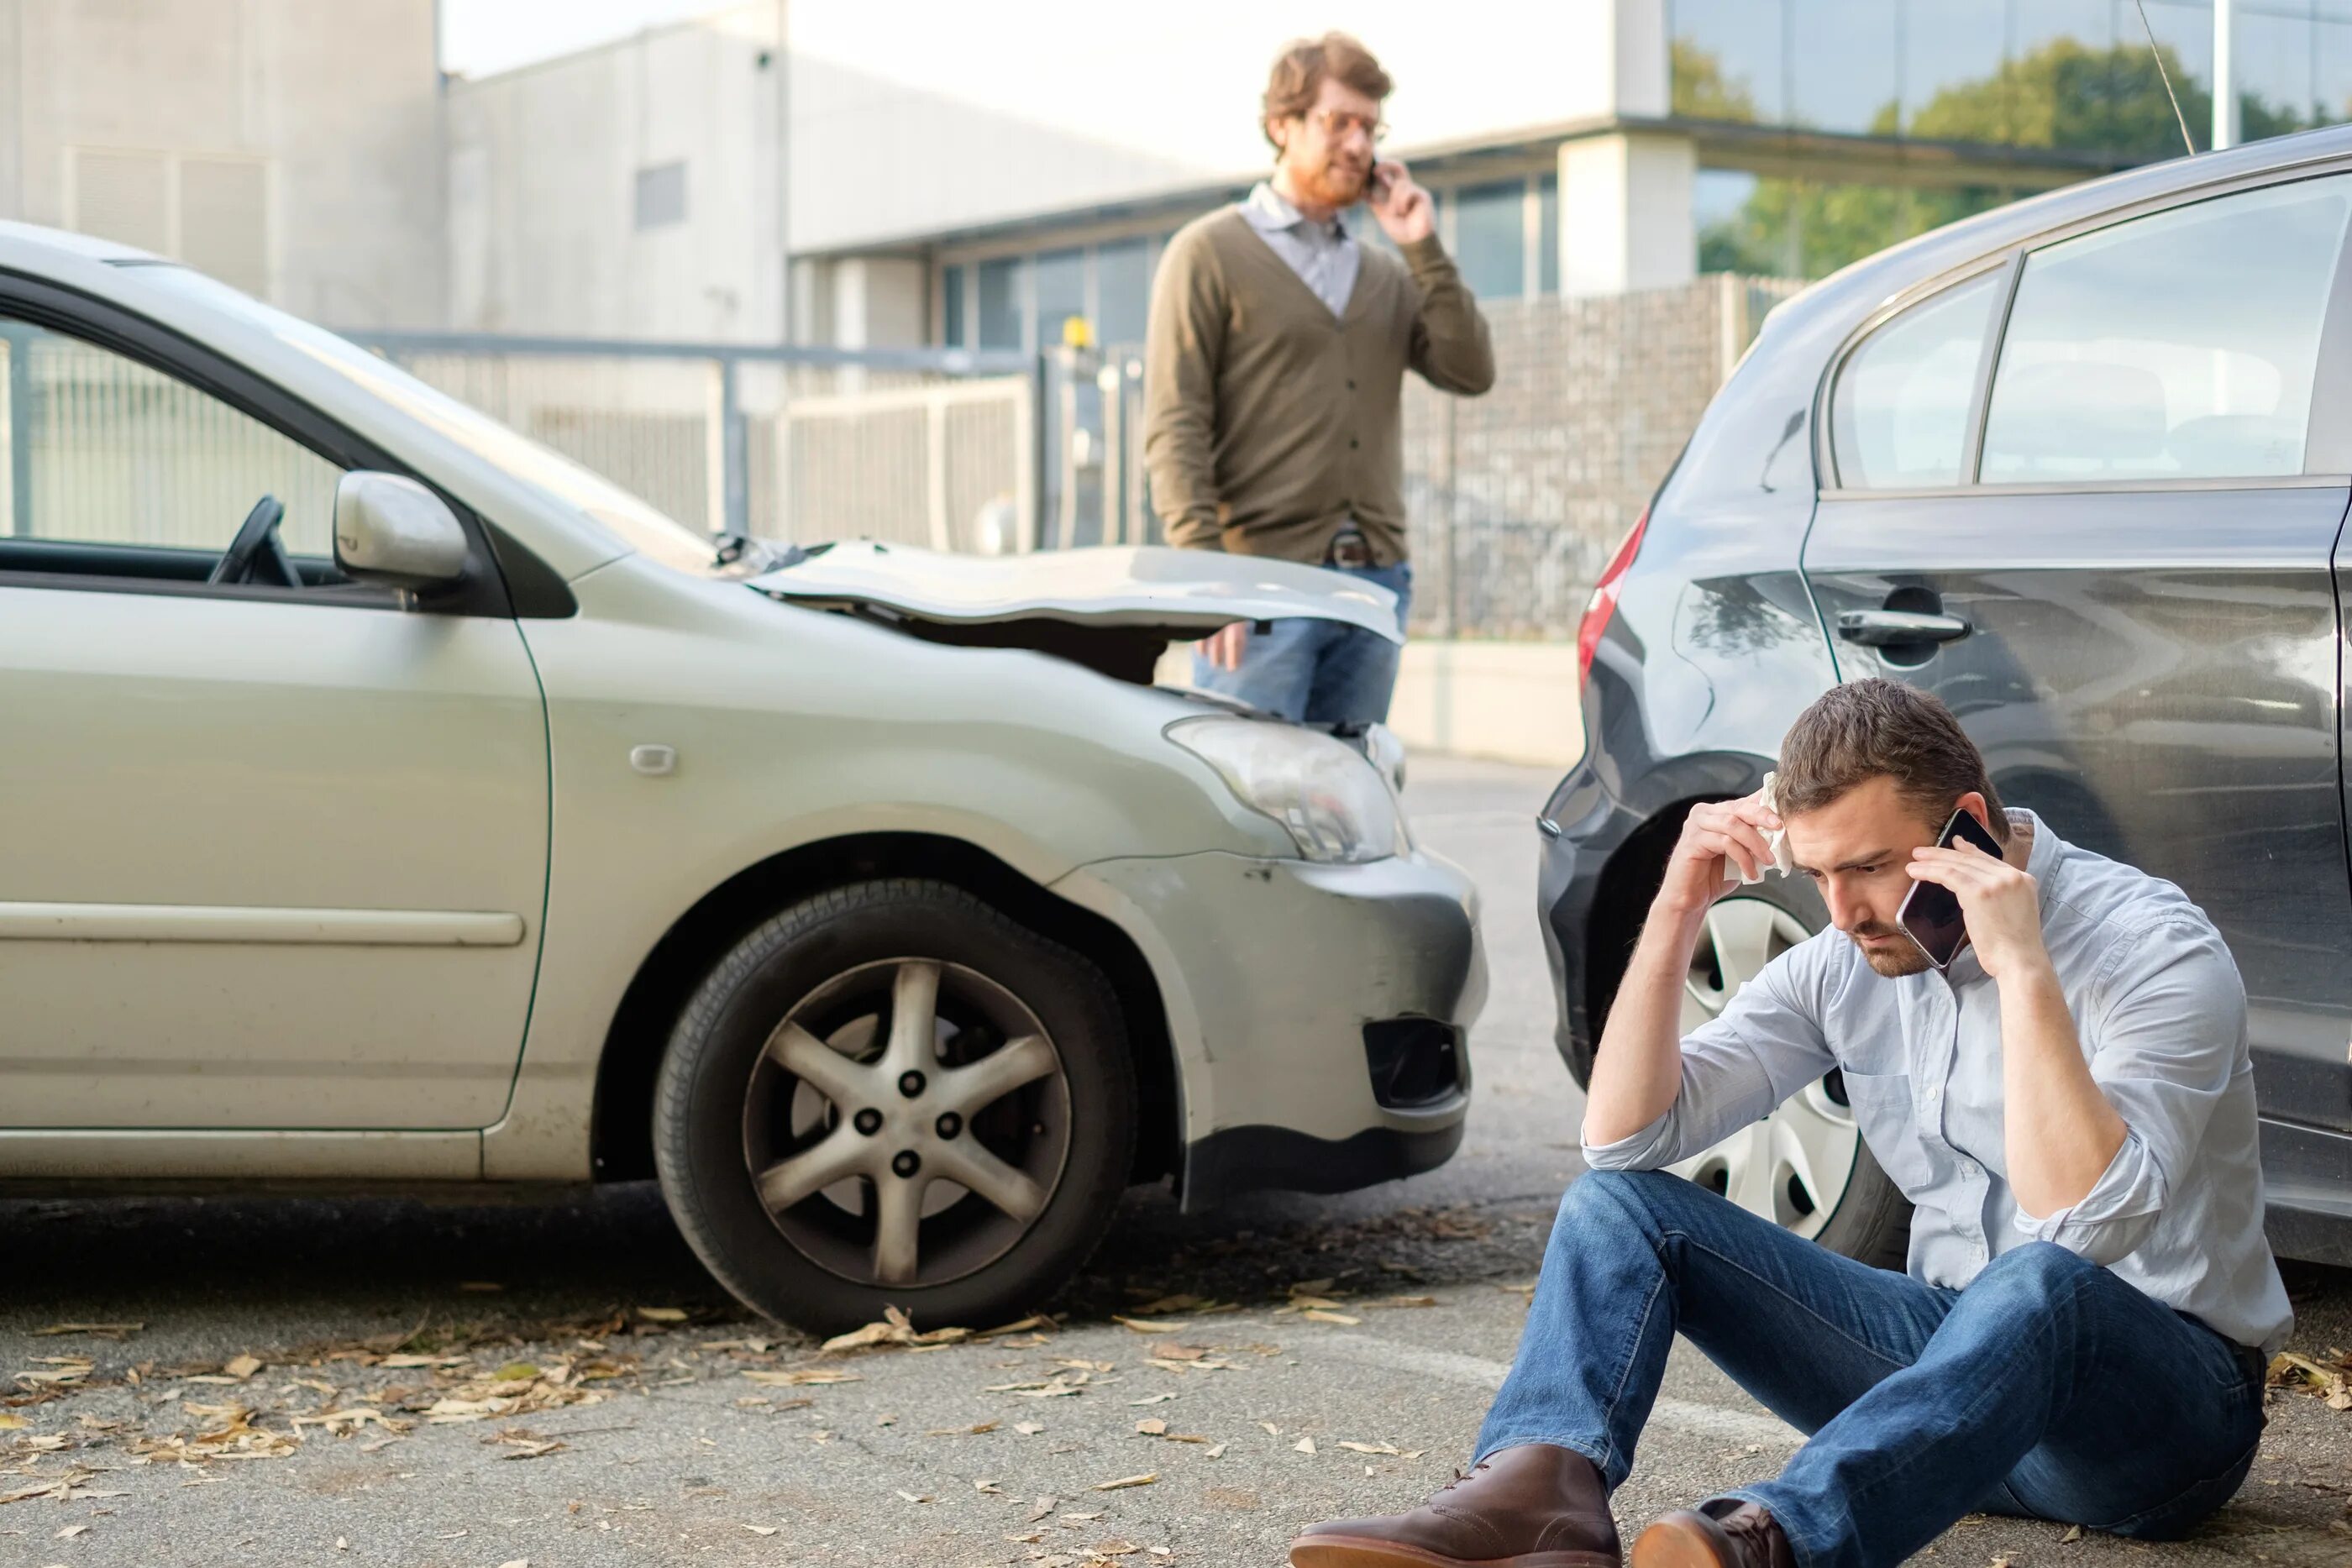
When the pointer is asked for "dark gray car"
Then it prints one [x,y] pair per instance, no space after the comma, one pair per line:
[2080,467]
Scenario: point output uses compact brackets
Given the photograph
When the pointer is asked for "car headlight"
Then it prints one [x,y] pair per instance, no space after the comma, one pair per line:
[1336,805]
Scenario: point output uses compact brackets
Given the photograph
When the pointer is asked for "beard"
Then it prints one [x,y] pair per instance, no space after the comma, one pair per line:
[1892,962]
[1339,185]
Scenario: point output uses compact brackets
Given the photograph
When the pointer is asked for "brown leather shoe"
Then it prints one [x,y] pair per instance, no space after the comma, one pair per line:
[1725,1532]
[1531,1506]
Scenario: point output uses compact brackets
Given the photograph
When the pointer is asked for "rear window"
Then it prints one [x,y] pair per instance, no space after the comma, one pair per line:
[1899,413]
[2177,346]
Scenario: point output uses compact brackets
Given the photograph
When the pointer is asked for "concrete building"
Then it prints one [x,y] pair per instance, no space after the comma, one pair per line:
[630,191]
[292,148]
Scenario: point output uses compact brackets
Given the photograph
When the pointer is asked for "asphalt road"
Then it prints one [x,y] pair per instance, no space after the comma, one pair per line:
[656,1424]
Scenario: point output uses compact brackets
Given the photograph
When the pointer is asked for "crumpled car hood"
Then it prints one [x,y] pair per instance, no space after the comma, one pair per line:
[1187,593]
[1112,607]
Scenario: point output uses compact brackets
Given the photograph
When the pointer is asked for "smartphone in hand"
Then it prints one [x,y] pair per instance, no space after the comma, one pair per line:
[1930,914]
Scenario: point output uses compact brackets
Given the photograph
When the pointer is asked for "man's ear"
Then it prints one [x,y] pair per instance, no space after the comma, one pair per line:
[1973,803]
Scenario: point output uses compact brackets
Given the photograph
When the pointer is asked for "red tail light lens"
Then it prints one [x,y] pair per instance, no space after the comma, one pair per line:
[1604,602]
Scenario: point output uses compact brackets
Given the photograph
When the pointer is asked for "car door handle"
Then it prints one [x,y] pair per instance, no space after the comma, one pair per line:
[1894,628]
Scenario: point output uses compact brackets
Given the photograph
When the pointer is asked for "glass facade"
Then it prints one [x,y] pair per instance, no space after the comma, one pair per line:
[2071,73]
[1123,290]
[2067,76]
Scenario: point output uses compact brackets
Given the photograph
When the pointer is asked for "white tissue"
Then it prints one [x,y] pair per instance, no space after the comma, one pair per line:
[1775,838]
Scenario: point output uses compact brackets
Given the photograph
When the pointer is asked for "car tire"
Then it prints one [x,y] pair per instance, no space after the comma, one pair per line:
[804,1141]
[1805,1166]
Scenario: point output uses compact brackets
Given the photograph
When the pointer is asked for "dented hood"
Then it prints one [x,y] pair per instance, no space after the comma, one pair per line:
[1144,591]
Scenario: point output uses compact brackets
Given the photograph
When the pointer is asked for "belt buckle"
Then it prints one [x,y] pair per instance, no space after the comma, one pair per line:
[1350,550]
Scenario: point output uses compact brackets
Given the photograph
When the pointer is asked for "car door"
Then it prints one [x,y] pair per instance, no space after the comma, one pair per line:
[2078,498]
[274,857]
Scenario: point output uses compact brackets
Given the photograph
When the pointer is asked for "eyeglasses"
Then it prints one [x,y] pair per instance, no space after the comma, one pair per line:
[1336,123]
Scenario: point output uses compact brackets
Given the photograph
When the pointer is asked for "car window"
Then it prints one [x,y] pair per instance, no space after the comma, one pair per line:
[2180,345]
[1899,413]
[99,449]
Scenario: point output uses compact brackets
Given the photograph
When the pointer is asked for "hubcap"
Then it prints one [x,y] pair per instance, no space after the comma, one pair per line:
[906,1122]
[1793,1167]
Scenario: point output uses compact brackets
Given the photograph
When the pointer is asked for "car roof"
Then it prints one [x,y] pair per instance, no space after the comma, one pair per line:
[1875,279]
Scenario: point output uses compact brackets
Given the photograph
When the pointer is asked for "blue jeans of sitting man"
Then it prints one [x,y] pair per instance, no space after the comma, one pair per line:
[2047,1388]
[1319,672]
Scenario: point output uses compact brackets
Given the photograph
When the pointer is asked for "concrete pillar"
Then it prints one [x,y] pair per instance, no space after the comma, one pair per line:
[1625,213]
[878,302]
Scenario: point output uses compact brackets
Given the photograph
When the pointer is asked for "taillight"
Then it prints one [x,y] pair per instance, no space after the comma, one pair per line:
[1604,602]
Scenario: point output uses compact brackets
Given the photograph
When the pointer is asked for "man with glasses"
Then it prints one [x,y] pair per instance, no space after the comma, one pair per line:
[1274,372]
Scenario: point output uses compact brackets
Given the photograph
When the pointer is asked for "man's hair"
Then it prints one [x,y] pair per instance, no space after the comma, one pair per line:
[1871,729]
[1299,71]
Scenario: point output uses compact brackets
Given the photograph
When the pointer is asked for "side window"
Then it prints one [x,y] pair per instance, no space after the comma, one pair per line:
[97,449]
[2177,346]
[1899,413]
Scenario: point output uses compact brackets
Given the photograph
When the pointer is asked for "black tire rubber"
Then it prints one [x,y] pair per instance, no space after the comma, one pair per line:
[699,1103]
[1872,1223]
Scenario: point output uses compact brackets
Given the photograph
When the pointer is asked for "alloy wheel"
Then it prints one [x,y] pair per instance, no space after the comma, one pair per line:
[906,1122]
[1793,1167]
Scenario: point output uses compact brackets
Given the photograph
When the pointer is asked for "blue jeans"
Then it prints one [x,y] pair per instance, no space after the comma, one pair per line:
[2048,1388]
[1321,672]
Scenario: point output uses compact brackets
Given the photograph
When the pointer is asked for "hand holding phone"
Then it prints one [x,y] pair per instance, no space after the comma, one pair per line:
[1930,914]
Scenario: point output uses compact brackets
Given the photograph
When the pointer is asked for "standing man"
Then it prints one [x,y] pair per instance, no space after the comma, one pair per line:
[1273,372]
[2070,1108]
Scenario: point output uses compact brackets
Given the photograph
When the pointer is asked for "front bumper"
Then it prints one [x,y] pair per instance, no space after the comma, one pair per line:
[1320,1014]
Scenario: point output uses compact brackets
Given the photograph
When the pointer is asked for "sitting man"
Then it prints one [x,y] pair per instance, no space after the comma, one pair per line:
[2083,1331]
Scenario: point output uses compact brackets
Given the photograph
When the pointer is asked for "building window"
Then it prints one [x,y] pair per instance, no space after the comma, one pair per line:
[999,306]
[661,196]
[1490,238]
[1123,287]
[951,306]
[1061,293]
[1548,234]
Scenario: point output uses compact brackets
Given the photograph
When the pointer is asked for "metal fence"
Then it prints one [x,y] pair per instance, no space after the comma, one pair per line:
[918,445]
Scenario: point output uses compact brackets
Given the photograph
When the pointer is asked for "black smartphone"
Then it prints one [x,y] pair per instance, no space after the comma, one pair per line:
[1376,187]
[1930,914]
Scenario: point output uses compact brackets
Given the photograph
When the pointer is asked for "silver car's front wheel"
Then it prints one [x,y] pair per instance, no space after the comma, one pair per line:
[893,1094]
[923,1106]
[1804,1166]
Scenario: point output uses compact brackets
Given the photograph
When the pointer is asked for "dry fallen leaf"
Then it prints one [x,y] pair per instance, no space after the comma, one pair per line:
[1141,1326]
[1303,1446]
[800,1376]
[1039,1509]
[990,1487]
[1153,1429]
[1218,1452]
[1028,1428]
[1372,1448]
[1318,1315]
[12,1423]
[662,1314]
[910,1497]
[895,1328]
[1271,1429]
[763,1528]
[1152,1399]
[109,1330]
[69,1531]
[2074,1533]
[1147,1479]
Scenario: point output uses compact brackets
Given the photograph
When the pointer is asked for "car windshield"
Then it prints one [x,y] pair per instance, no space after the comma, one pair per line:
[637,522]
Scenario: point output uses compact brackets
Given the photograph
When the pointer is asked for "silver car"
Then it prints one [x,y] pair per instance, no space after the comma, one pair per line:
[454,818]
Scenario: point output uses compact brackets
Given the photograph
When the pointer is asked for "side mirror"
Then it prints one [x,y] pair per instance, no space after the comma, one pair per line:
[393,530]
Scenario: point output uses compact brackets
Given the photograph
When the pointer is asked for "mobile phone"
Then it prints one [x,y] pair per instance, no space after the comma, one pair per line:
[1375,184]
[1930,914]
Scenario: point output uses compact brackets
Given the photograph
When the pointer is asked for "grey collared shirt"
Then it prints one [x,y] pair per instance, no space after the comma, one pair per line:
[2161,1013]
[1325,256]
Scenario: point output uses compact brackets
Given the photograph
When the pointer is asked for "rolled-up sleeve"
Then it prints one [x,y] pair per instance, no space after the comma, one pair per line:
[1766,1044]
[2165,1045]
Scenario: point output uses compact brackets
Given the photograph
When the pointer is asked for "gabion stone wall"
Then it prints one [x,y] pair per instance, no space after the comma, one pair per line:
[1517,498]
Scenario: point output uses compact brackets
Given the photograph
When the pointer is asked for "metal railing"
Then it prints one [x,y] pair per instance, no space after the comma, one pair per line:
[922,446]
